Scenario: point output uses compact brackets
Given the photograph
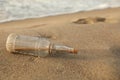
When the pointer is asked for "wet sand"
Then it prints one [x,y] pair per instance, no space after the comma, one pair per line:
[96,34]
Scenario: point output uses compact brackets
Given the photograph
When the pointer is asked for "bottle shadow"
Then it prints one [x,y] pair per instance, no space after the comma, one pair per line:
[115,50]
[91,54]
[110,57]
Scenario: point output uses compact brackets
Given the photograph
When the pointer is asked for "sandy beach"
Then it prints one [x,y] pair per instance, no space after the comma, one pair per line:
[96,34]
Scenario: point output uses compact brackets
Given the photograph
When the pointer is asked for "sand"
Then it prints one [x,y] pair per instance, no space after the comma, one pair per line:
[96,34]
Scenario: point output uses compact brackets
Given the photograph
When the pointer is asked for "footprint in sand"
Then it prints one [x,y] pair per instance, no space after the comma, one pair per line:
[93,20]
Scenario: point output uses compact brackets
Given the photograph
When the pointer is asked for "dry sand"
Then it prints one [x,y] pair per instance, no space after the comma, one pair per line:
[96,34]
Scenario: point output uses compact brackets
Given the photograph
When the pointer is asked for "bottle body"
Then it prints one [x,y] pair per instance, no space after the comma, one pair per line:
[28,45]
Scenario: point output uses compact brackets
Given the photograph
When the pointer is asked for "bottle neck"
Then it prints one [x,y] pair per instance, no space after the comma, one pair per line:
[54,48]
